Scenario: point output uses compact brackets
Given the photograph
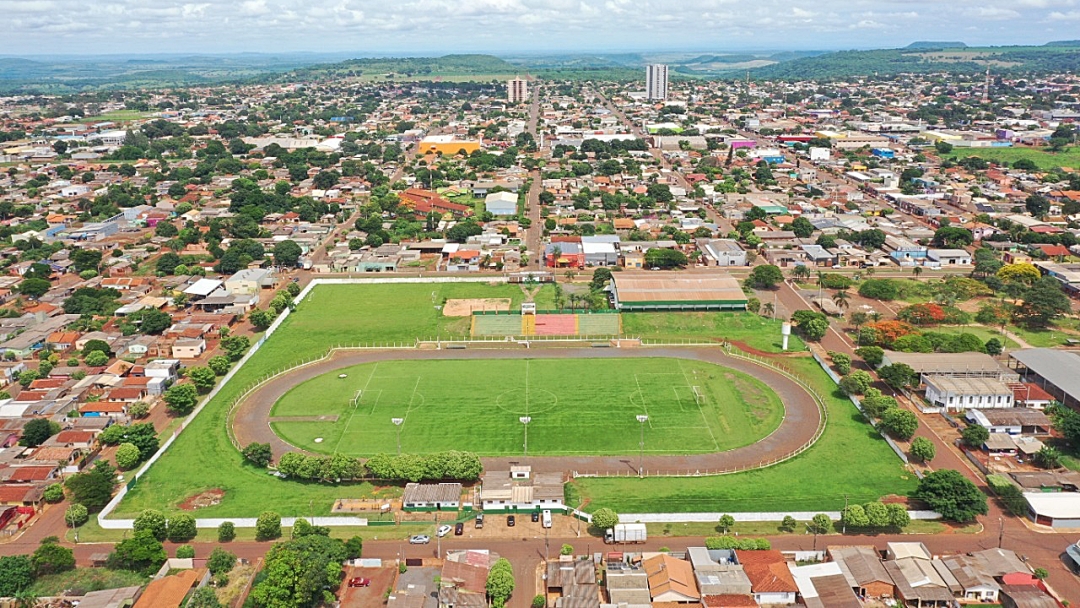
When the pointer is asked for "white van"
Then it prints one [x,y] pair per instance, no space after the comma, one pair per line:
[546,519]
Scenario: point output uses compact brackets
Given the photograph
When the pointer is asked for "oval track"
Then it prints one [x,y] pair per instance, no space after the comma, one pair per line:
[800,423]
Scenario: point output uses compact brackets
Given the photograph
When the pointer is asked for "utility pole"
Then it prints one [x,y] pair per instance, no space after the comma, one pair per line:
[525,420]
[1001,531]
[842,521]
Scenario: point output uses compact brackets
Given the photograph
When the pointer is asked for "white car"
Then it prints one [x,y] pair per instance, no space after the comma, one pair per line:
[419,539]
[443,530]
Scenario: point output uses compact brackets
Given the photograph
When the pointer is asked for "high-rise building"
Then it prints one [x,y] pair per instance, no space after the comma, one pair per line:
[517,89]
[656,81]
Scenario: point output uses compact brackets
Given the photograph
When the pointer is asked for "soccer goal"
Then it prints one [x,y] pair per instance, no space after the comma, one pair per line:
[356,398]
[698,397]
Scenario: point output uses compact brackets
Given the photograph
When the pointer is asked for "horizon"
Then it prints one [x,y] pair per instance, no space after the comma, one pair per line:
[65,28]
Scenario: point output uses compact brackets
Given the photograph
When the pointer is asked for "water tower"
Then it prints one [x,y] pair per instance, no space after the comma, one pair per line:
[785,331]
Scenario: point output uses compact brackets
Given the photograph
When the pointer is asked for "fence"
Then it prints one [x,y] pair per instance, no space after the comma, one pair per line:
[736,353]
[664,518]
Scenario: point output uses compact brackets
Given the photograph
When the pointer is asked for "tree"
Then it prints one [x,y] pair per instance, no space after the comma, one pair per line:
[152,321]
[872,355]
[877,514]
[220,561]
[127,456]
[261,319]
[51,558]
[821,523]
[220,364]
[185,552]
[268,526]
[154,521]
[258,454]
[898,515]
[76,515]
[203,378]
[854,516]
[204,597]
[566,549]
[139,409]
[788,524]
[235,346]
[1037,205]
[93,489]
[16,574]
[600,277]
[287,253]
[1043,303]
[974,435]
[658,257]
[923,449]
[97,359]
[300,573]
[898,375]
[141,553]
[141,435]
[37,431]
[181,398]
[1023,273]
[1048,457]
[539,602]
[34,287]
[765,277]
[354,547]
[500,582]
[605,518]
[802,227]
[226,531]
[726,523]
[994,347]
[952,495]
[899,423]
[842,299]
[54,493]
[842,361]
[182,528]
[879,289]
[856,382]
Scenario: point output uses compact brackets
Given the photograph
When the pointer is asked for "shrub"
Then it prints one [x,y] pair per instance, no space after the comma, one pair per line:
[842,361]
[833,280]
[127,456]
[872,355]
[54,493]
[856,382]
[737,543]
[182,528]
[268,526]
[1009,494]
[185,552]
[220,561]
[76,515]
[879,289]
[226,531]
[139,409]
[975,436]
[153,521]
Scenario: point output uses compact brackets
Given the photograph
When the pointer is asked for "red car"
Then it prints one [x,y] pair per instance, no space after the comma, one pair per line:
[358,581]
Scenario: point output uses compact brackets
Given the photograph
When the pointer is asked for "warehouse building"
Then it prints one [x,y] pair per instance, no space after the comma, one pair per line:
[957,365]
[955,394]
[672,291]
[1053,370]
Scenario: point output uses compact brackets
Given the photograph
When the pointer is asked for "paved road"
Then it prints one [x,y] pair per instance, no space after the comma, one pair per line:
[801,417]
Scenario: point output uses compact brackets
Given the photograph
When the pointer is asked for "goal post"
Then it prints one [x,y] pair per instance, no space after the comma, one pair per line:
[697,395]
[356,398]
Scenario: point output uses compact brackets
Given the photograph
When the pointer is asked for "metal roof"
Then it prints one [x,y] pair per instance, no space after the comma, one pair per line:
[1058,367]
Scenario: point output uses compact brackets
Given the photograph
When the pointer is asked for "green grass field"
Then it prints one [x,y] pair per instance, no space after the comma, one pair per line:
[334,314]
[757,332]
[1070,157]
[850,460]
[576,406]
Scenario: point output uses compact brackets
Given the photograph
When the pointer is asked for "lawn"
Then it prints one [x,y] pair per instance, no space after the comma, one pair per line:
[576,406]
[117,115]
[84,580]
[1056,335]
[850,461]
[757,332]
[1070,157]
[983,332]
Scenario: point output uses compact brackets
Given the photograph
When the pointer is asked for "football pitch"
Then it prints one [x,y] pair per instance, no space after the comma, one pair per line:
[572,407]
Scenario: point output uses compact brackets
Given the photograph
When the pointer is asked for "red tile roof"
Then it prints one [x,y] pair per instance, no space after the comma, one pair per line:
[767,571]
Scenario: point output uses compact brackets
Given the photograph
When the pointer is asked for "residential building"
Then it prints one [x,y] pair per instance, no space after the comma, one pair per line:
[656,82]
[956,394]
[670,579]
[501,203]
[724,252]
[517,90]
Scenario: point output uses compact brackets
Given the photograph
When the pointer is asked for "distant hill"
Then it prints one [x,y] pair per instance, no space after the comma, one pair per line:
[967,60]
[410,67]
[1063,43]
[930,44]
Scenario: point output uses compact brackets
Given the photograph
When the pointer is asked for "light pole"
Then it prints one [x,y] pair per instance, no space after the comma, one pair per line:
[642,419]
[397,422]
[525,420]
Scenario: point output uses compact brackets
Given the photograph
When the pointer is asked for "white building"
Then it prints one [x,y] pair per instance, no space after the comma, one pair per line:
[501,203]
[517,89]
[656,81]
[955,394]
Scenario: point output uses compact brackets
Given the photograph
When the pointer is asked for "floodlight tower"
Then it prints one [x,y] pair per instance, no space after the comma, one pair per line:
[642,419]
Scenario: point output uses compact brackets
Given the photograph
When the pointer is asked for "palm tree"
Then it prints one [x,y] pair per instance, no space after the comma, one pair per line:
[916,271]
[875,316]
[570,274]
[841,299]
[800,271]
[768,309]
[558,296]
[573,301]
[870,271]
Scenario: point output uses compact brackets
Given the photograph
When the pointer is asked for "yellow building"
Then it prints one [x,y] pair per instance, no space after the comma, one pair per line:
[447,145]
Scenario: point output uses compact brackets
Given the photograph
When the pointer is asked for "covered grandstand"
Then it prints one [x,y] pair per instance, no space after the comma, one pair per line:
[675,291]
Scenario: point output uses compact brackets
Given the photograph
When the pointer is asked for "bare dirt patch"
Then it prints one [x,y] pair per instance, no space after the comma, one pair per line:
[465,307]
[202,500]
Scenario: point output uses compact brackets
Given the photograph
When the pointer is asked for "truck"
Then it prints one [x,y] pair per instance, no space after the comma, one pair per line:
[626,533]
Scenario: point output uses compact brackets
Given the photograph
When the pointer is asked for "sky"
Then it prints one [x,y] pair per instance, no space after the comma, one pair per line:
[414,27]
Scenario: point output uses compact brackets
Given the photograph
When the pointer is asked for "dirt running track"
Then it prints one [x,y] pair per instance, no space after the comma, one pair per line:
[801,416]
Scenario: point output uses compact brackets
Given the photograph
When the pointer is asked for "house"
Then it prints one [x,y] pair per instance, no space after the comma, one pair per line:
[202,288]
[1030,396]
[171,591]
[724,252]
[862,568]
[431,496]
[670,579]
[574,582]
[1026,596]
[976,584]
[956,394]
[770,578]
[501,203]
[601,250]
[626,583]
[501,491]
[190,348]
[824,586]
[949,257]
[918,583]
[718,572]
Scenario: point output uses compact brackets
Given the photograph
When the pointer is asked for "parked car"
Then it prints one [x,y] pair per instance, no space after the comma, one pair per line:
[459,529]
[510,521]
[443,530]
[535,516]
[419,539]
[479,521]
[358,581]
